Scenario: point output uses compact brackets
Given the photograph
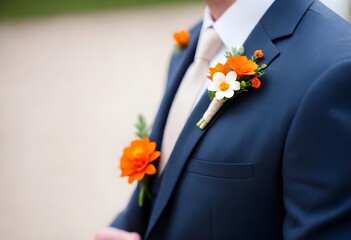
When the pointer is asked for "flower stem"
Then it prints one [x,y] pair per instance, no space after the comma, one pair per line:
[199,123]
[144,192]
[211,111]
[141,195]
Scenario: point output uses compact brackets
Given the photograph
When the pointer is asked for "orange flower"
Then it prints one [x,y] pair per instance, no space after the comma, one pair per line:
[256,83]
[259,54]
[242,65]
[182,37]
[223,68]
[136,159]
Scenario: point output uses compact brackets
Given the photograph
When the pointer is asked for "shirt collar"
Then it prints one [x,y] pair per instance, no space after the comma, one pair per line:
[238,21]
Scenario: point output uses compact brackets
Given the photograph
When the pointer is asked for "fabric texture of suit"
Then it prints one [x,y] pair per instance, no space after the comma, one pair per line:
[274,163]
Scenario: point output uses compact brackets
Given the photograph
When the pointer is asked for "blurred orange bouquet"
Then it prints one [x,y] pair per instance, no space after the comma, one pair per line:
[136,161]
[181,38]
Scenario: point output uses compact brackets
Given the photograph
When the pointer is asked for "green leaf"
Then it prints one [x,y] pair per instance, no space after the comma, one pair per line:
[241,50]
[211,95]
[243,84]
[234,52]
[143,130]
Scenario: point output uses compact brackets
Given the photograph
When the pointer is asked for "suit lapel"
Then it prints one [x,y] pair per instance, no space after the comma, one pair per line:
[259,38]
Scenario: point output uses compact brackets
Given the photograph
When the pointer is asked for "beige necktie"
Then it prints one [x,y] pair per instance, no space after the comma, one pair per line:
[191,85]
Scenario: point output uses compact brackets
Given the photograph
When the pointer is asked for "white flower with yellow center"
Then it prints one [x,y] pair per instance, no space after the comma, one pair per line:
[224,85]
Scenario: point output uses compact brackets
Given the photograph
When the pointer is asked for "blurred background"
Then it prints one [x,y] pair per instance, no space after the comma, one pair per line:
[74,75]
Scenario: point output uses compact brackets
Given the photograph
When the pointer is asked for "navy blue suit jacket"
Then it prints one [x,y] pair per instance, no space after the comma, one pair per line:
[274,163]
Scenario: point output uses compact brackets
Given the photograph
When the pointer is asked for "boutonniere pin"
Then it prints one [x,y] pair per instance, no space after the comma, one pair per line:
[136,161]
[182,39]
[228,80]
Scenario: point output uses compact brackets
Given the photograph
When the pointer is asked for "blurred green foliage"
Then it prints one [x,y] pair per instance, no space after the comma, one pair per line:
[15,9]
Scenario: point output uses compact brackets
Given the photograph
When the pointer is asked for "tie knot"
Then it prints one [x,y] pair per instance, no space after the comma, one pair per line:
[208,45]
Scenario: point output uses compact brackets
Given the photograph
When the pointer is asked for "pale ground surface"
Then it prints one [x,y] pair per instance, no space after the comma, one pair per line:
[70,90]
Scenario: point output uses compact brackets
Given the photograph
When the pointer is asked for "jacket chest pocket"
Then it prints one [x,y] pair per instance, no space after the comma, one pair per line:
[221,170]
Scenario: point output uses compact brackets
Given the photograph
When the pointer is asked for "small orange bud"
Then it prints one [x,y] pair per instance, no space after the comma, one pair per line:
[256,83]
[259,54]
[182,37]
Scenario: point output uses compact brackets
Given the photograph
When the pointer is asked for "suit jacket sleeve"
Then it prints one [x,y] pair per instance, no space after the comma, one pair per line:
[133,218]
[316,167]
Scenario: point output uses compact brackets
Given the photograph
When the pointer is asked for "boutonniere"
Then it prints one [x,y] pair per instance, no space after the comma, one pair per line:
[136,161]
[237,75]
[182,39]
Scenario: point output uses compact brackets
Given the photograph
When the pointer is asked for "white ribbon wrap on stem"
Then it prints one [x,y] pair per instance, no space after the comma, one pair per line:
[211,111]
